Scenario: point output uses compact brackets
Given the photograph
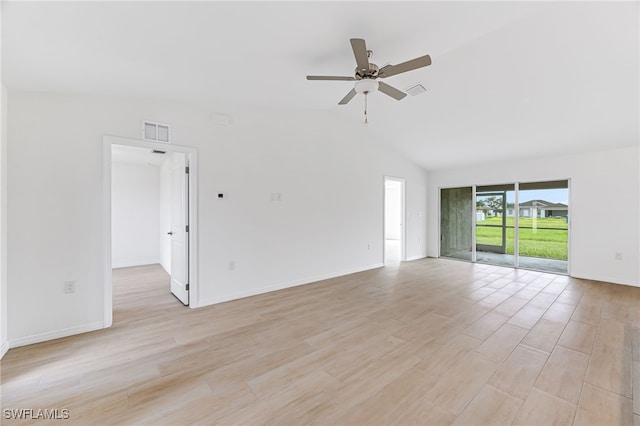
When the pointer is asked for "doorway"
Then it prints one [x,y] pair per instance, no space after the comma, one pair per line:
[394,221]
[149,215]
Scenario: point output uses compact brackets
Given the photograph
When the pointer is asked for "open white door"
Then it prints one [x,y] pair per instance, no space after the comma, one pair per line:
[180,228]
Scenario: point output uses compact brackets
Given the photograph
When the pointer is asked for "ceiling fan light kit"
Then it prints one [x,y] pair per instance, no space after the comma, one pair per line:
[367,73]
[366,86]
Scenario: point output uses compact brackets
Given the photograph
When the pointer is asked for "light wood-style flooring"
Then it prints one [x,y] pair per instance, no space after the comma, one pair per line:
[429,342]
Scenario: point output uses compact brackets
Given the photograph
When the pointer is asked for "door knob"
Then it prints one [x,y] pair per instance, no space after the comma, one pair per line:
[170,233]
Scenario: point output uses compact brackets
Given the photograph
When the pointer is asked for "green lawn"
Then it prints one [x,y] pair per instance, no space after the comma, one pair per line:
[547,243]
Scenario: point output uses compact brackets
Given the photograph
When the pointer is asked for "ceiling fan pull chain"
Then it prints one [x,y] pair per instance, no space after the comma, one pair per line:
[366,120]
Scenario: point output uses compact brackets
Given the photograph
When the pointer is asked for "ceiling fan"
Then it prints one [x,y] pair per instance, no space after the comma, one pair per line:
[367,73]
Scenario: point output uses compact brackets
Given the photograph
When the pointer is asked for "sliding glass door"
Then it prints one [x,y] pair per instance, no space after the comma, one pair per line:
[494,227]
[522,225]
[543,226]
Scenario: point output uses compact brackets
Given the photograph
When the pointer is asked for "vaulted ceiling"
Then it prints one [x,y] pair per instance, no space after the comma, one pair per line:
[508,79]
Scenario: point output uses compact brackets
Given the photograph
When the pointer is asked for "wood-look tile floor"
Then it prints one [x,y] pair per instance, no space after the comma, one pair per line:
[426,342]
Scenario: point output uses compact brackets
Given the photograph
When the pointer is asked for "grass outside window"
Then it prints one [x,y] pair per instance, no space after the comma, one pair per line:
[549,242]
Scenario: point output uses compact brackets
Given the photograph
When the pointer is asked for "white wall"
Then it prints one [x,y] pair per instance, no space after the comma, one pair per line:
[135,214]
[393,210]
[165,213]
[328,170]
[604,205]
[3,225]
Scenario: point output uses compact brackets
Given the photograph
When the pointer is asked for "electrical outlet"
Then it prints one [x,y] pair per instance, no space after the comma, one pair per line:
[232,265]
[69,287]
[368,246]
[618,256]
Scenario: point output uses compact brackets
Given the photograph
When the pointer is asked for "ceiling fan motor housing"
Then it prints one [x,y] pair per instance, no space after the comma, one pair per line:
[372,72]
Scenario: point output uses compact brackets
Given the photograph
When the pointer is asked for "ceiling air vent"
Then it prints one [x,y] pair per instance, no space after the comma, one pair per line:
[416,90]
[156,132]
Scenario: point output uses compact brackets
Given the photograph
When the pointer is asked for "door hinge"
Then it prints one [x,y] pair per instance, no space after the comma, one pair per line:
[186,169]
[186,287]
[187,228]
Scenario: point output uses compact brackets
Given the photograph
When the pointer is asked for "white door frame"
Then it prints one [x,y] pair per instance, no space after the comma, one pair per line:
[192,156]
[403,216]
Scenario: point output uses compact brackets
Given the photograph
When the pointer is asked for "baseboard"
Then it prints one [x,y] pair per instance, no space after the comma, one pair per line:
[167,268]
[51,335]
[607,280]
[129,263]
[283,285]
[635,376]
[421,256]
[4,348]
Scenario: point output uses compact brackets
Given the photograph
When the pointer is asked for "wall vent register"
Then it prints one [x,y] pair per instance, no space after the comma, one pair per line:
[156,132]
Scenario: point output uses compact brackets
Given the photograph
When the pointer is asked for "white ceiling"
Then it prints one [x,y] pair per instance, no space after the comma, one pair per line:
[508,79]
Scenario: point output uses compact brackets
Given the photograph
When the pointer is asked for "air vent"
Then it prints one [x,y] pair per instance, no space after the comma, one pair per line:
[157,151]
[416,90]
[156,132]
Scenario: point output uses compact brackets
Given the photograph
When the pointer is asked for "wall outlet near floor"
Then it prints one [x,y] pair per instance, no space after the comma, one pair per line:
[232,265]
[618,256]
[69,287]
[369,246]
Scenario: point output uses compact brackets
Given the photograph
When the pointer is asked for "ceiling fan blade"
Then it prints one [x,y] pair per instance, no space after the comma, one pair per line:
[391,91]
[329,77]
[360,52]
[347,98]
[413,64]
